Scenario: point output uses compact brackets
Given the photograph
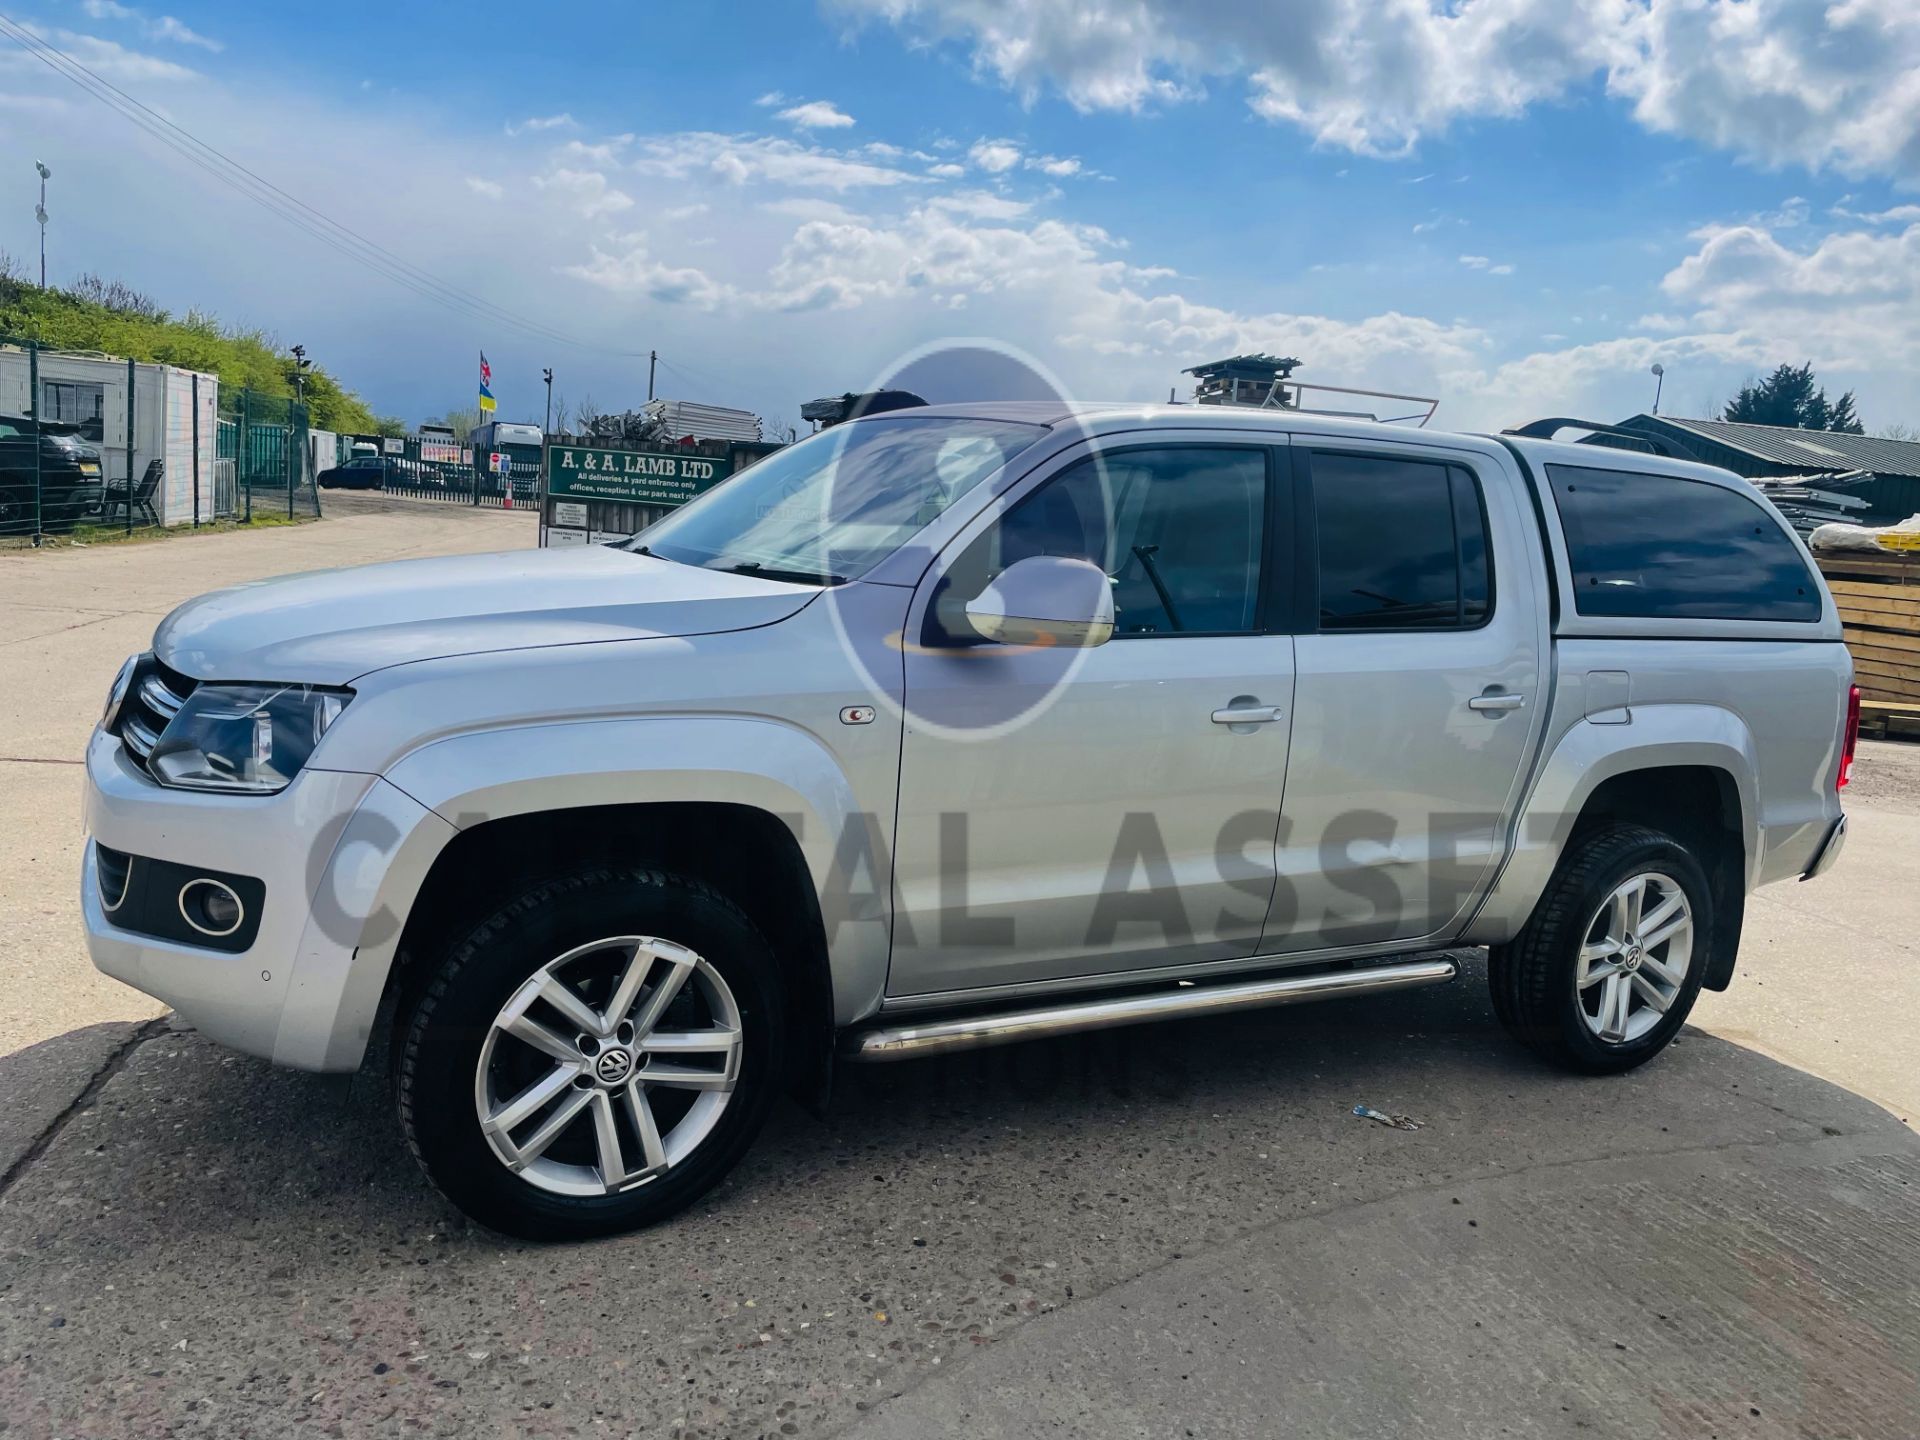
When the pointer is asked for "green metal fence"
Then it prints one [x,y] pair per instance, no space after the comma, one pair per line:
[422,468]
[265,438]
[92,443]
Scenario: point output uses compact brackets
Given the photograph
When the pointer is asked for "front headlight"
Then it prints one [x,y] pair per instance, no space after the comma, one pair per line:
[247,738]
[117,692]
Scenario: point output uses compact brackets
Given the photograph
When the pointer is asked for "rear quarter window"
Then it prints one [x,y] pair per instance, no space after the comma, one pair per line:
[1665,547]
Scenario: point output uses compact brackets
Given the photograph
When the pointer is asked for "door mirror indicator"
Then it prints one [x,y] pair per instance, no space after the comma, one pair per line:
[1045,600]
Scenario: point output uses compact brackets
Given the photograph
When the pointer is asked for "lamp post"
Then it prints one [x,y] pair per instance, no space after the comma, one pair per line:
[40,214]
[547,375]
[300,367]
[1659,383]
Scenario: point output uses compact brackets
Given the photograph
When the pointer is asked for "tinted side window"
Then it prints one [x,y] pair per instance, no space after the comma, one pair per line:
[1402,545]
[1180,532]
[1665,547]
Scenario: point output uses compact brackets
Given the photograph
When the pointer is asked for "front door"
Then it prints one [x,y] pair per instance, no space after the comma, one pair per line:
[1418,692]
[1110,809]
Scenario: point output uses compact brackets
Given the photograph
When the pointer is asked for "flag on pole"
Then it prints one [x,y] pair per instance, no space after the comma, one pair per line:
[486,385]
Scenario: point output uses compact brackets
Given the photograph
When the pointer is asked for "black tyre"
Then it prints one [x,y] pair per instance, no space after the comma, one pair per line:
[594,1056]
[1605,972]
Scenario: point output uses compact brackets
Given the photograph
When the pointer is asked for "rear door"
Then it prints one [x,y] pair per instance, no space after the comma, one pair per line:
[1418,690]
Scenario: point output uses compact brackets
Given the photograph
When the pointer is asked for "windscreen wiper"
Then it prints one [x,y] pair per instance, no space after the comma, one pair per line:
[791,576]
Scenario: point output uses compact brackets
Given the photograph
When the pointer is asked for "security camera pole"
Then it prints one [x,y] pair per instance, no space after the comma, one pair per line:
[40,214]
[1659,383]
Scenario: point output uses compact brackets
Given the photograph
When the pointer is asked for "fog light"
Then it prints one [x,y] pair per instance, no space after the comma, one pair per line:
[211,907]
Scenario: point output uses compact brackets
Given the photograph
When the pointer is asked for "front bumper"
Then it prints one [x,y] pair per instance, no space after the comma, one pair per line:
[340,855]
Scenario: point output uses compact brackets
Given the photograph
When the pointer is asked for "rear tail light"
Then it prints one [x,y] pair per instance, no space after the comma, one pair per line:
[1849,738]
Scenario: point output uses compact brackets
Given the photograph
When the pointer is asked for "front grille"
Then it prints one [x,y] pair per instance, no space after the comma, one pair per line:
[154,698]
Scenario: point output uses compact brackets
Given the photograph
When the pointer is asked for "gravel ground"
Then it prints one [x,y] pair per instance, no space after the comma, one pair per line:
[1886,774]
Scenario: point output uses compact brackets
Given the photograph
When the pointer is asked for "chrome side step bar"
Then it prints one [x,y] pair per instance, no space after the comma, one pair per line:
[972,1032]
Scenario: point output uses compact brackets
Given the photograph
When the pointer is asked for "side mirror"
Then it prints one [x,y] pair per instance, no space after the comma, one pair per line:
[1046,600]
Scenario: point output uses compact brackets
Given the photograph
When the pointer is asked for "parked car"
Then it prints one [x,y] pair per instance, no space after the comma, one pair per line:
[69,476]
[964,726]
[361,472]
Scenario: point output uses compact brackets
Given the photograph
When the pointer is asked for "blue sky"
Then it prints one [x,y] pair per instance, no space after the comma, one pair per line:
[1515,205]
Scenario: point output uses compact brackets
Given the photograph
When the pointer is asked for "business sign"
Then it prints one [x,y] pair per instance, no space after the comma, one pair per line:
[633,477]
[498,462]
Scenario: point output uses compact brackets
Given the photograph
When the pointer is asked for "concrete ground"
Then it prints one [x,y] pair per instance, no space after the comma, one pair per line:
[1167,1231]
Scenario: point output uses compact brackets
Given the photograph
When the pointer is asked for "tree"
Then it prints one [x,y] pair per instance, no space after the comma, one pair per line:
[1790,397]
[1909,433]
[113,318]
[462,422]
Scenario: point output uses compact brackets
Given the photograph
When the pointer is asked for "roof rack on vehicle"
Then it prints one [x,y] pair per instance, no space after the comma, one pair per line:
[1551,426]
[1266,382]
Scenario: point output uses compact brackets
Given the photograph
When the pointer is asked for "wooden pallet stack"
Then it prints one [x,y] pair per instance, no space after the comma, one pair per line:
[1879,600]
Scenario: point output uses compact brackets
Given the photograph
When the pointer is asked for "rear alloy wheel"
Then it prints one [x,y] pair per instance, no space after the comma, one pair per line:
[594,1057]
[1635,958]
[1605,972]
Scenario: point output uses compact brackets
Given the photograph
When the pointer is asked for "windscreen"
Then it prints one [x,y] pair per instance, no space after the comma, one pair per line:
[832,507]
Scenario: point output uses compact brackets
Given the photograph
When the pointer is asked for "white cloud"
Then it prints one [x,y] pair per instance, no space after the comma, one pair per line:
[947,171]
[104,57]
[1897,215]
[1481,262]
[155,27]
[491,189]
[1846,302]
[535,124]
[817,115]
[601,153]
[1811,82]
[770,99]
[588,191]
[981,205]
[632,271]
[1058,166]
[811,207]
[994,156]
[740,159]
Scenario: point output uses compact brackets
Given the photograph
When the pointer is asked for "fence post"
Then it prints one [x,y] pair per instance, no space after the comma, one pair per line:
[130,380]
[293,461]
[33,413]
[244,442]
[196,449]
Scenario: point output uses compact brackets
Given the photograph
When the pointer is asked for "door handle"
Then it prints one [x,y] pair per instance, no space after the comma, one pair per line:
[1247,715]
[1496,703]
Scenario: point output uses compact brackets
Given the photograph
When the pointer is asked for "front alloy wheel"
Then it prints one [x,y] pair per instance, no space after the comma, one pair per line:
[609,1066]
[593,1056]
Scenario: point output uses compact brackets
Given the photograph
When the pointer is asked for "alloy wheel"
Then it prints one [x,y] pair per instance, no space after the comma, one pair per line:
[608,1066]
[1634,957]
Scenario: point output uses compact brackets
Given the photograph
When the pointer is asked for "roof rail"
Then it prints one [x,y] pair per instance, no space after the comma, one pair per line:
[1265,382]
[1551,426]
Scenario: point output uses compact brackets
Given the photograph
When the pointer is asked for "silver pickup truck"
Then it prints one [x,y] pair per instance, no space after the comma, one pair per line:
[957,726]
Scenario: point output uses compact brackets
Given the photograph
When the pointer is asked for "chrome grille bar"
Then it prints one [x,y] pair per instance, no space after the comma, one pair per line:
[161,700]
[138,737]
